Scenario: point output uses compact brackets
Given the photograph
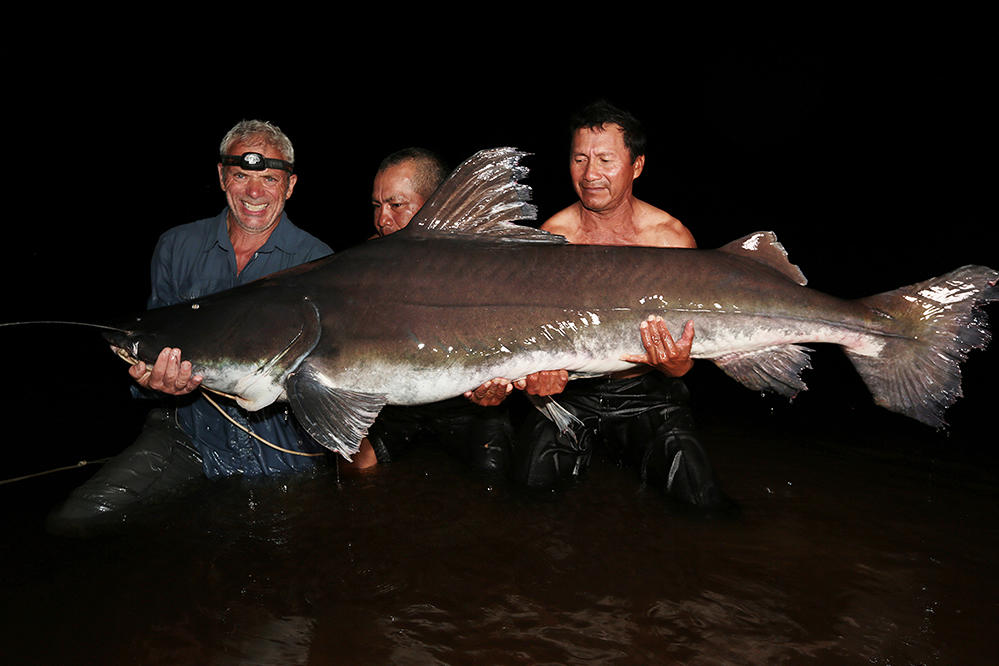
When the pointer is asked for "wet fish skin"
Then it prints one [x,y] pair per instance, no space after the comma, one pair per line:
[462,295]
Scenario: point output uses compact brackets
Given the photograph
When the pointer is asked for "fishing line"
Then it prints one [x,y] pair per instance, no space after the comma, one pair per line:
[82,463]
[104,327]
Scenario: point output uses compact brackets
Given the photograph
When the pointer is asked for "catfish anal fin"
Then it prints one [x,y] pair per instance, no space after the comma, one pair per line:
[776,369]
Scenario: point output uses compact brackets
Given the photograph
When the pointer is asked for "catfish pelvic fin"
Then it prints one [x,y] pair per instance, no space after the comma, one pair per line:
[483,197]
[336,418]
[762,246]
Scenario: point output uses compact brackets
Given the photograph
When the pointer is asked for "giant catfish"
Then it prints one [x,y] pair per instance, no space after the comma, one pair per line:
[463,294]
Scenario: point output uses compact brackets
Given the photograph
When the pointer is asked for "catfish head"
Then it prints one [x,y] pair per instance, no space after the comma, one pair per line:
[244,341]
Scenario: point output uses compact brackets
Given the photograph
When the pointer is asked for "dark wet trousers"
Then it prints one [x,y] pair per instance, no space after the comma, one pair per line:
[644,422]
[160,461]
[479,437]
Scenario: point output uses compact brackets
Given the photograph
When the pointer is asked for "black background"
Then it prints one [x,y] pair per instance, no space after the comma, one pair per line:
[870,154]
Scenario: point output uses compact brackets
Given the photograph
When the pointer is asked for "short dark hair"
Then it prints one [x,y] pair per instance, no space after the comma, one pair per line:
[596,114]
[430,168]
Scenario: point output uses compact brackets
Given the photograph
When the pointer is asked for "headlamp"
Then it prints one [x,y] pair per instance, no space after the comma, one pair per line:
[256,162]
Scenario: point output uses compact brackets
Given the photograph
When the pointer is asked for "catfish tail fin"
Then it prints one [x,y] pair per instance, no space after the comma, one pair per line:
[918,372]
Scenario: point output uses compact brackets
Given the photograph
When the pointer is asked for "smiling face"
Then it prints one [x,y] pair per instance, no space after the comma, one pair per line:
[394,197]
[256,198]
[601,167]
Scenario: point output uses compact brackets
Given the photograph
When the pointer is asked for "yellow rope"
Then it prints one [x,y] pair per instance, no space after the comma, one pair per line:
[128,359]
[250,432]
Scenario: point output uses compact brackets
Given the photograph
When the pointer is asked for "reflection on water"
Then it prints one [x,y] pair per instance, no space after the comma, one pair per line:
[841,552]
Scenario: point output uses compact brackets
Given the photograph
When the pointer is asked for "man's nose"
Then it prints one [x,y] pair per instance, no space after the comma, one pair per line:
[254,186]
[383,219]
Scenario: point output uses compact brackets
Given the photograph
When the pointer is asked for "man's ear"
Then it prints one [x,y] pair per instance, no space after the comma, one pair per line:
[638,165]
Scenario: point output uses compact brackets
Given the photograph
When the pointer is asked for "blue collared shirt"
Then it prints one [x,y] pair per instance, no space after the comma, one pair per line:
[197,259]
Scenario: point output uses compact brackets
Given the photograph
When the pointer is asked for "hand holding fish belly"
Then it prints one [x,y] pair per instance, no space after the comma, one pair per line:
[663,353]
[169,374]
[491,393]
[495,391]
[668,356]
[546,382]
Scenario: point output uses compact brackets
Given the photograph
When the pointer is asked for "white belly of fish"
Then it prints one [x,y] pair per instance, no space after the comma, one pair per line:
[439,371]
[409,385]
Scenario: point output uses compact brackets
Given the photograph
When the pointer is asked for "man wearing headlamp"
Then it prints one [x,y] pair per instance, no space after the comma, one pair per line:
[256,187]
[252,237]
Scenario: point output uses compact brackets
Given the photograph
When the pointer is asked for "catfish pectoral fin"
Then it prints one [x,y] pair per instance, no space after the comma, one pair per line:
[776,369]
[336,418]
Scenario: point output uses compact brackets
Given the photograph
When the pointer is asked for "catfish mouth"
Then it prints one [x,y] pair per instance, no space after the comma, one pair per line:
[124,354]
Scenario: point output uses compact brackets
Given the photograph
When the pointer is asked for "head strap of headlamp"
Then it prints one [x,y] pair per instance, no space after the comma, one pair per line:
[256,162]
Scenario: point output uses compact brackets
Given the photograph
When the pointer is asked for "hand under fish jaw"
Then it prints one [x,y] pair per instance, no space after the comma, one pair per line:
[169,374]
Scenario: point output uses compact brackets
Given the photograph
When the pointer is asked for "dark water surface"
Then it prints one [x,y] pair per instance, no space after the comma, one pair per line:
[877,548]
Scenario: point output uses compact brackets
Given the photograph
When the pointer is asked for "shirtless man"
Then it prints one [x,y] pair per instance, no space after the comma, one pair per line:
[640,416]
[605,161]
[603,169]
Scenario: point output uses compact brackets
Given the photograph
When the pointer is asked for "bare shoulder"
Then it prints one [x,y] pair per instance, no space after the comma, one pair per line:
[661,229]
[564,223]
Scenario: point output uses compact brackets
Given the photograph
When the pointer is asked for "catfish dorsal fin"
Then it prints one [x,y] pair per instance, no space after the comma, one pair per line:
[483,197]
[763,247]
